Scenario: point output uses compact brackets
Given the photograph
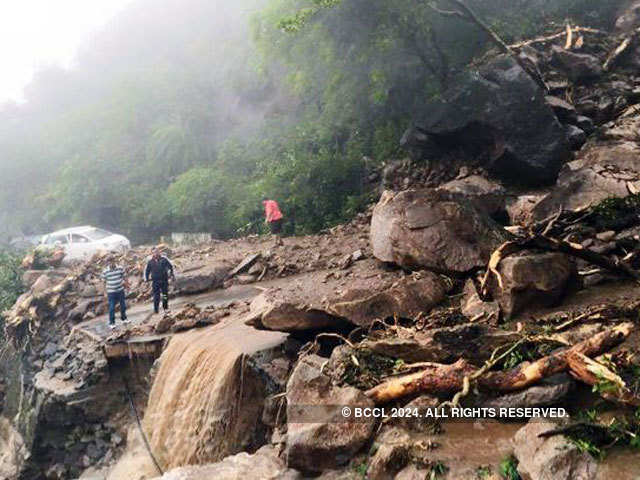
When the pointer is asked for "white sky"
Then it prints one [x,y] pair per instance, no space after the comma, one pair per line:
[35,33]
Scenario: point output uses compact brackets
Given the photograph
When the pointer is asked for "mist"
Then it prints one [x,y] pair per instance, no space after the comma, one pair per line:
[181,115]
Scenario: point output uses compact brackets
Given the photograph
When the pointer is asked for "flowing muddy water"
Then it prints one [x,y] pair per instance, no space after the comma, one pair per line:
[205,402]
[466,446]
[12,451]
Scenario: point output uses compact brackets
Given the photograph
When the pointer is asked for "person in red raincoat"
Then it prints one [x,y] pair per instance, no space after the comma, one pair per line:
[273,218]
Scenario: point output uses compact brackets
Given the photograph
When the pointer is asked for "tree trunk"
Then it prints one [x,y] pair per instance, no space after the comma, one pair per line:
[443,379]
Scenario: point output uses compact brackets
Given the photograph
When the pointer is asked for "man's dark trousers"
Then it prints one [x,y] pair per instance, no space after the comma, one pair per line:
[160,288]
[115,298]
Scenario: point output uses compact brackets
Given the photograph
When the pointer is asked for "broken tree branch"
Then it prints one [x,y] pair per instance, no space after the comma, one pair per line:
[613,57]
[555,36]
[447,13]
[616,266]
[470,15]
[612,386]
[569,43]
[442,379]
[541,242]
[489,364]
[467,14]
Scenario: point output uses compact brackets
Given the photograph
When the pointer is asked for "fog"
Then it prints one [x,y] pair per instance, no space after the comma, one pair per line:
[152,116]
[38,33]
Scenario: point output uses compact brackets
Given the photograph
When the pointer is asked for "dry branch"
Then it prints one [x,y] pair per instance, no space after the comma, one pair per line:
[594,373]
[569,43]
[442,379]
[613,57]
[541,242]
[466,13]
[555,36]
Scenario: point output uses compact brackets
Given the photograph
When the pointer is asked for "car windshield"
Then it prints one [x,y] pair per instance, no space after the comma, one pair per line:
[97,234]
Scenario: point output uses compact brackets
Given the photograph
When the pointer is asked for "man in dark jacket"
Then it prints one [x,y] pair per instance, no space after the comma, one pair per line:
[159,270]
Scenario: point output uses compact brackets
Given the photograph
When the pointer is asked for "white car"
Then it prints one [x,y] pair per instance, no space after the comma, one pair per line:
[81,243]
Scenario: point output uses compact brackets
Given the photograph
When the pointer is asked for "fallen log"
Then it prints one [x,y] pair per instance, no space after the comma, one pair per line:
[437,378]
[444,379]
[527,374]
[612,386]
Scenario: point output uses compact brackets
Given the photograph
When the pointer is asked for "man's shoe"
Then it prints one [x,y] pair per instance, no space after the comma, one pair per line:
[113,326]
[126,321]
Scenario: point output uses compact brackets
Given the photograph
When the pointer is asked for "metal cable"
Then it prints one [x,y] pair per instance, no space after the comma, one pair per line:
[137,417]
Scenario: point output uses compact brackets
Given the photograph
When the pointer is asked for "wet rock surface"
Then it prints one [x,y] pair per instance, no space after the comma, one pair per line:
[485,194]
[501,112]
[550,391]
[432,229]
[531,278]
[318,445]
[201,280]
[601,172]
[552,458]
[264,464]
[361,296]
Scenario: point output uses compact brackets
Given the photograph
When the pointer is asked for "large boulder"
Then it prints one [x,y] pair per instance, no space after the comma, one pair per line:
[602,171]
[272,310]
[552,458]
[498,111]
[485,194]
[314,302]
[207,278]
[579,67]
[433,229]
[406,298]
[531,279]
[318,436]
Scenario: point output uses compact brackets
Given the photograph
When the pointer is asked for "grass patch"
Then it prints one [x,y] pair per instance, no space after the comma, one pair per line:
[368,369]
[528,352]
[616,213]
[597,438]
[509,468]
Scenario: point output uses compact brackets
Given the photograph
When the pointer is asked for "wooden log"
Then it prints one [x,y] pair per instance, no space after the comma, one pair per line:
[436,378]
[441,379]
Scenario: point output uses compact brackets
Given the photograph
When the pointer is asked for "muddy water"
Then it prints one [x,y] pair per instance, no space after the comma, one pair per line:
[12,450]
[204,402]
[464,447]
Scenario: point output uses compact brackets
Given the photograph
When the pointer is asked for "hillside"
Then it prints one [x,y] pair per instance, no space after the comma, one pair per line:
[481,302]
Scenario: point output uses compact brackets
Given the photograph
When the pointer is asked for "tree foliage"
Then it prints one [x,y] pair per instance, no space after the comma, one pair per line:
[10,279]
[182,114]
